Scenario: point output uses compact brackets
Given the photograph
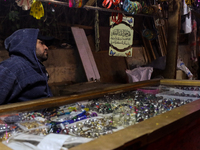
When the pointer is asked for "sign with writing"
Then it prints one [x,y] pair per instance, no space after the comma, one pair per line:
[121,38]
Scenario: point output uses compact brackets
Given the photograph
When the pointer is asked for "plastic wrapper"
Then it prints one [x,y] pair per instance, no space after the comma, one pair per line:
[49,142]
[6,130]
[27,125]
[139,74]
[181,66]
[11,119]
[33,127]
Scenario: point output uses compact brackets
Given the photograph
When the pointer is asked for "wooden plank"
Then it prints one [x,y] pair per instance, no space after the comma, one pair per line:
[160,41]
[90,55]
[153,53]
[163,40]
[161,45]
[145,54]
[164,35]
[180,82]
[146,49]
[85,55]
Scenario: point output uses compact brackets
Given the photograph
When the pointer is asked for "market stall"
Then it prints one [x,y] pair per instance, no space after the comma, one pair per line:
[154,114]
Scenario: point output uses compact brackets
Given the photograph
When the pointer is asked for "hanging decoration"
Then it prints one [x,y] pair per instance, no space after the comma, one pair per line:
[107,3]
[148,9]
[149,33]
[75,3]
[121,37]
[132,7]
[37,10]
[116,17]
[25,4]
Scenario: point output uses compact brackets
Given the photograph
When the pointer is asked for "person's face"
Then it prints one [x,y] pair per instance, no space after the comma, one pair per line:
[41,51]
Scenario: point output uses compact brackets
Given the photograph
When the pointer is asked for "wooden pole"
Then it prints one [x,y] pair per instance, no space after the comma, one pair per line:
[172,41]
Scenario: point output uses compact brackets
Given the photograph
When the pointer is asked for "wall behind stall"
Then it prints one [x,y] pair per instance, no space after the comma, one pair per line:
[3,55]
[112,69]
[63,65]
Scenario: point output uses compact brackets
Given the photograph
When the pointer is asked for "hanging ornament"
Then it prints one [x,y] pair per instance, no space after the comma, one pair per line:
[37,10]
[76,3]
[117,18]
[133,7]
[25,4]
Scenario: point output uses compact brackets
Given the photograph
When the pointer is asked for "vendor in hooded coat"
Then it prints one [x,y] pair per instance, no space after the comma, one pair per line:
[23,77]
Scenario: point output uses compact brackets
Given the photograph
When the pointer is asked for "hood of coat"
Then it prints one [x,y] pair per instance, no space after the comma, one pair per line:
[23,43]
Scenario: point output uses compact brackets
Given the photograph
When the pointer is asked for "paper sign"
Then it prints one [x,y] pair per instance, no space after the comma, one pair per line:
[121,38]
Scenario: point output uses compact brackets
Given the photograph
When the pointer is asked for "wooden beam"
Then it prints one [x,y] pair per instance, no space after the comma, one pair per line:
[172,41]
[76,25]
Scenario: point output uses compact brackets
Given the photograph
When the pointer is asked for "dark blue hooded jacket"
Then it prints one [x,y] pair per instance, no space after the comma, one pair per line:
[22,76]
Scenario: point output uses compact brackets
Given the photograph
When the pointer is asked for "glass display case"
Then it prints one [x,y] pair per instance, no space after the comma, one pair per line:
[158,114]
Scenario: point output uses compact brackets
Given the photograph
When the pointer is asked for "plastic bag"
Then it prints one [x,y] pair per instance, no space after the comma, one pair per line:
[139,74]
[181,66]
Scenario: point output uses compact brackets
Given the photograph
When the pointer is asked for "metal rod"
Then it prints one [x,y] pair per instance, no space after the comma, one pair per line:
[96,26]
[117,11]
[55,2]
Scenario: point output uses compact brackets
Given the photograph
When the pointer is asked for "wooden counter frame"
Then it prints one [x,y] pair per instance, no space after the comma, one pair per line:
[138,136]
[63,100]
